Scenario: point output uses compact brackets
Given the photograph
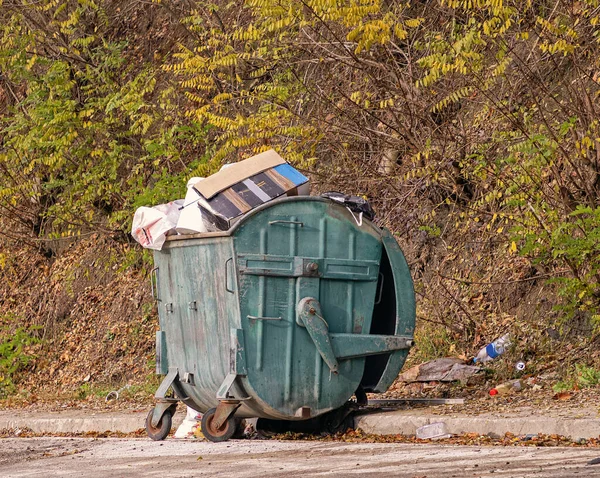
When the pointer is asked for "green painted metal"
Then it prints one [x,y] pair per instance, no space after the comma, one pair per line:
[159,410]
[161,392]
[196,314]
[267,312]
[311,317]
[285,266]
[285,367]
[345,346]
[162,364]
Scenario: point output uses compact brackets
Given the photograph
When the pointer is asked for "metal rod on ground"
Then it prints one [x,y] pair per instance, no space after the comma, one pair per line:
[426,401]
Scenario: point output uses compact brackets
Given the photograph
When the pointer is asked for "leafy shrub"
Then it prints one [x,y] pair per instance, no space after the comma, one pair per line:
[583,376]
[15,355]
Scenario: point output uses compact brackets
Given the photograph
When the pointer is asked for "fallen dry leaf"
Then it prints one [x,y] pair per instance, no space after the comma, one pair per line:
[563,396]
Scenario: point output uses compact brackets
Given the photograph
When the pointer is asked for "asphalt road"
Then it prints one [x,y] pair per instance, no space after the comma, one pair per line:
[84,457]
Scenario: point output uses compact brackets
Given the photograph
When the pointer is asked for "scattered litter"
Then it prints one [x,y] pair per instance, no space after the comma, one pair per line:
[447,369]
[114,395]
[433,431]
[493,349]
[520,366]
[190,427]
[507,387]
[217,202]
[397,402]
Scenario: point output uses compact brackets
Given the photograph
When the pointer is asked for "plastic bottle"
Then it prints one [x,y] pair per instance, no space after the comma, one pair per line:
[492,350]
[506,387]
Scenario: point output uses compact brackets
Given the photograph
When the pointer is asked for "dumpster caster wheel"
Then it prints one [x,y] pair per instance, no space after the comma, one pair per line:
[214,434]
[163,428]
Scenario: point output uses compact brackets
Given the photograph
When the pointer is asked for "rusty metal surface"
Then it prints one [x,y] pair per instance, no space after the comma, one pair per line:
[398,402]
[224,410]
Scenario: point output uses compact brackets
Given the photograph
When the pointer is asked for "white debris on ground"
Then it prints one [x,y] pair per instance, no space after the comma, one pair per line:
[190,427]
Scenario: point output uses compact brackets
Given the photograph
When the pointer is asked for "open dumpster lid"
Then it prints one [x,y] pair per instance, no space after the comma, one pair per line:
[237,172]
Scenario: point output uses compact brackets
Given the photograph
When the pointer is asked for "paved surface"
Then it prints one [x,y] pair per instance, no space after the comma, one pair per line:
[405,422]
[137,458]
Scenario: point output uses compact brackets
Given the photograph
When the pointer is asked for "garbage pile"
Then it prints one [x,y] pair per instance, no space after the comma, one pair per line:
[217,202]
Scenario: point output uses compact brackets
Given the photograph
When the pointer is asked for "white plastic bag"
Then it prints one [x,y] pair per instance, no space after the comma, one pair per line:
[190,221]
[151,225]
[190,427]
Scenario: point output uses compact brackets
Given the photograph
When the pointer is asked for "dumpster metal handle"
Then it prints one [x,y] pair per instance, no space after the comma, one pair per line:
[309,315]
[378,301]
[251,317]
[227,264]
[154,280]
[281,221]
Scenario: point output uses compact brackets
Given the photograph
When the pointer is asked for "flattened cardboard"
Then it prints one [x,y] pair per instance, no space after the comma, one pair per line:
[237,172]
[222,209]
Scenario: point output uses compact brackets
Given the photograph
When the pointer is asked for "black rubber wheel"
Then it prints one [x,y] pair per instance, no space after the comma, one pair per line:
[214,434]
[163,428]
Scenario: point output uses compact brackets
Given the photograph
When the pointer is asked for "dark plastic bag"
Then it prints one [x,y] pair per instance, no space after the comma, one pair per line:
[354,203]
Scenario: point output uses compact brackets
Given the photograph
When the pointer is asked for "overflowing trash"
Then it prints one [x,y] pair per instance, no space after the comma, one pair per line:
[215,203]
[190,218]
[354,204]
[243,186]
[151,225]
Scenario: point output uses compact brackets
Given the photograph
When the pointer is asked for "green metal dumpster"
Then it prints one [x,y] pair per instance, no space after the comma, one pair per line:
[285,316]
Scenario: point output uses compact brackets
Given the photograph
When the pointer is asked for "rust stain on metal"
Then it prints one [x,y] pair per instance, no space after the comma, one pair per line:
[358,324]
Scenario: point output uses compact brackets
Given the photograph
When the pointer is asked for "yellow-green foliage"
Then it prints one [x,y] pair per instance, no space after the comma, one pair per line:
[488,110]
[84,130]
[484,97]
[248,70]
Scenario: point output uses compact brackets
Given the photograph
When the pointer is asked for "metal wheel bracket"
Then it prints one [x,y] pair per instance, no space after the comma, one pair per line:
[224,410]
[229,389]
[160,409]
[166,383]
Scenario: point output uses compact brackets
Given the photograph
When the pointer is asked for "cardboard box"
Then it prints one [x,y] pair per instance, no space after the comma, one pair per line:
[241,187]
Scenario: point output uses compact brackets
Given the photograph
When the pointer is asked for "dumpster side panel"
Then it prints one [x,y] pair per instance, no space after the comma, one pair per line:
[197,306]
[275,250]
[396,315]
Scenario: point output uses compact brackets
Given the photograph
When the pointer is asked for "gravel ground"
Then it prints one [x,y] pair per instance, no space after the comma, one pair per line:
[136,458]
